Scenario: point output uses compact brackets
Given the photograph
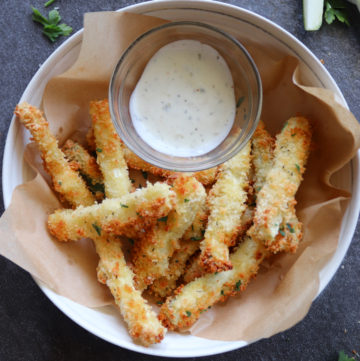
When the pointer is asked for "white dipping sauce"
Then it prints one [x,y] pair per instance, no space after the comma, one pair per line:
[184,103]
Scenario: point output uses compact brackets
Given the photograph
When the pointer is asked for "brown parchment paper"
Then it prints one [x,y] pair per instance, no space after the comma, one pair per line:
[286,285]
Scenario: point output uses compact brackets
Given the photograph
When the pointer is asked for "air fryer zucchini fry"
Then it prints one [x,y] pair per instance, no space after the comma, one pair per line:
[129,215]
[81,161]
[276,199]
[227,203]
[113,271]
[152,252]
[110,156]
[66,181]
[189,244]
[184,308]
[290,230]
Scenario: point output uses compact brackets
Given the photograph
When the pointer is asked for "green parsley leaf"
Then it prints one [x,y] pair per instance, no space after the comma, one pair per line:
[94,187]
[54,17]
[222,293]
[195,238]
[59,183]
[240,101]
[145,174]
[159,303]
[237,285]
[97,229]
[344,357]
[334,9]
[188,313]
[51,27]
[99,150]
[290,228]
[163,219]
[297,167]
[186,200]
[124,206]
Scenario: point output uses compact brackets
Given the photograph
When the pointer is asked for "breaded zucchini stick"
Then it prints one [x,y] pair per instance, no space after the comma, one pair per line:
[151,253]
[66,181]
[227,203]
[290,230]
[81,161]
[143,324]
[184,308]
[189,244]
[110,156]
[276,199]
[128,215]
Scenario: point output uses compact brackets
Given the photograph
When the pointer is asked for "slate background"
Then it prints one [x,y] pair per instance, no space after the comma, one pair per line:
[31,328]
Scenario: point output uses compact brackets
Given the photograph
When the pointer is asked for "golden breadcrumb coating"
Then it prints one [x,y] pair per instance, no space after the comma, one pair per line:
[143,324]
[184,308]
[152,252]
[110,156]
[189,244]
[276,199]
[129,215]
[66,181]
[263,145]
[227,203]
[80,160]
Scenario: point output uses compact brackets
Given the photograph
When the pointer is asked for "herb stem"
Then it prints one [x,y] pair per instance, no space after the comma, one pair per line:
[48,3]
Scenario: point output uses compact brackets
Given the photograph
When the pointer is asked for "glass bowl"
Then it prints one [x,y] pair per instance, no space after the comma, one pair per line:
[247,89]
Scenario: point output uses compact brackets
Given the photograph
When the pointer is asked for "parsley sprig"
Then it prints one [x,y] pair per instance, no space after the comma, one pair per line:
[344,357]
[51,27]
[335,9]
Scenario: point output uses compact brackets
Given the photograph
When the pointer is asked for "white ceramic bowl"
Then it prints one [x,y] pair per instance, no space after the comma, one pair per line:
[106,322]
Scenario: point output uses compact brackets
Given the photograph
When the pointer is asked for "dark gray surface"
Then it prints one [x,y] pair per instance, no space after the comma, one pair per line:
[31,328]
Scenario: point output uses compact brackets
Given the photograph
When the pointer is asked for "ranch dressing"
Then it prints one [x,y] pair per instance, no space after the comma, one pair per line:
[184,103]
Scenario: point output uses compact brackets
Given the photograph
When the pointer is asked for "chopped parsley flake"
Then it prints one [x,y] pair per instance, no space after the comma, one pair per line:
[145,174]
[297,167]
[240,101]
[290,228]
[237,285]
[99,150]
[163,219]
[124,206]
[186,200]
[195,238]
[188,313]
[97,228]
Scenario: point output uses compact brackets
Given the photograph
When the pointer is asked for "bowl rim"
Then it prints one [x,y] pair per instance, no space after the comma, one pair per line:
[146,8]
[179,164]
